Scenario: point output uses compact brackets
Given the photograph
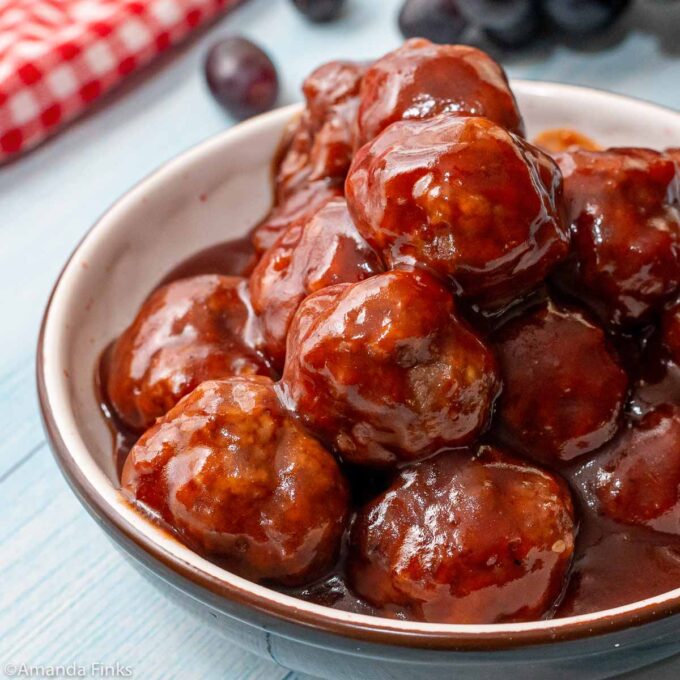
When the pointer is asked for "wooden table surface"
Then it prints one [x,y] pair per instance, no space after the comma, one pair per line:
[66,596]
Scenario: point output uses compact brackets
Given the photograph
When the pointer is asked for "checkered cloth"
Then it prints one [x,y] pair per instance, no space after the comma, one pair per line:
[58,56]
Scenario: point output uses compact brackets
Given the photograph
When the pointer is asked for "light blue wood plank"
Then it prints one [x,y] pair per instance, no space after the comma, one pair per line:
[66,594]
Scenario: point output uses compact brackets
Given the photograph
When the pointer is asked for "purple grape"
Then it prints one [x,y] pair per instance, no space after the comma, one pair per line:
[498,15]
[241,77]
[584,16]
[521,31]
[437,20]
[319,11]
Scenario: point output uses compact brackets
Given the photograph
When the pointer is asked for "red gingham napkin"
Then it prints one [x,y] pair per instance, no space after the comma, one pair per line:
[58,56]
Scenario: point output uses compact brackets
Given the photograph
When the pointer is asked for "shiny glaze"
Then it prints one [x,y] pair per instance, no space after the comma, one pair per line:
[320,144]
[479,206]
[615,565]
[241,481]
[465,538]
[307,257]
[298,208]
[656,377]
[659,383]
[419,345]
[563,387]
[385,371]
[421,79]
[187,331]
[618,562]
[637,477]
[332,96]
[316,151]
[624,206]
[230,258]
[122,437]
[236,257]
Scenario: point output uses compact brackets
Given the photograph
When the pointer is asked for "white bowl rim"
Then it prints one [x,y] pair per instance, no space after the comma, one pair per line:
[108,505]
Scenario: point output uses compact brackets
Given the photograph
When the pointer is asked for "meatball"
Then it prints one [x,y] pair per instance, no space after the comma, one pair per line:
[465,538]
[671,331]
[307,257]
[462,196]
[624,206]
[321,143]
[384,371]
[674,154]
[421,80]
[563,388]
[298,208]
[638,480]
[329,85]
[188,331]
[332,94]
[240,480]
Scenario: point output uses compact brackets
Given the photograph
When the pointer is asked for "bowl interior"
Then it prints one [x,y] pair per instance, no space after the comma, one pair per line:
[212,193]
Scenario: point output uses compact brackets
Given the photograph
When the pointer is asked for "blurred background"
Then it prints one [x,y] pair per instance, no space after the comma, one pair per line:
[67,596]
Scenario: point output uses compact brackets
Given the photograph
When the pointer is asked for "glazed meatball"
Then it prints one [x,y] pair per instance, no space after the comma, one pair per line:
[332,95]
[462,196]
[465,538]
[384,371]
[421,80]
[674,154]
[188,331]
[298,208]
[624,205]
[563,388]
[307,257]
[638,480]
[671,331]
[321,142]
[240,480]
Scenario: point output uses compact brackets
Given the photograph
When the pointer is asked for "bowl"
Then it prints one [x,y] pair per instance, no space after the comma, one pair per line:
[217,191]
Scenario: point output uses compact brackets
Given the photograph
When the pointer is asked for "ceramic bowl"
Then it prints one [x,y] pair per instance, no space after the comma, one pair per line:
[217,191]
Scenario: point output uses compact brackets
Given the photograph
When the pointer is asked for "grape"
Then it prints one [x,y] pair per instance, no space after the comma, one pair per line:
[241,77]
[520,30]
[496,14]
[584,16]
[319,10]
[437,20]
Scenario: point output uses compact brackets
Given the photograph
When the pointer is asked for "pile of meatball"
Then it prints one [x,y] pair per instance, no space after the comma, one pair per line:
[437,302]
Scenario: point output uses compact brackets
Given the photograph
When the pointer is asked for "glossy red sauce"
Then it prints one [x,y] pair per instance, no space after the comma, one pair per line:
[122,438]
[229,258]
[613,564]
[391,370]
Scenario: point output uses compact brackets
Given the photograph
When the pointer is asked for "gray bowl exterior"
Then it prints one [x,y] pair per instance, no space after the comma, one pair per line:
[334,657]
